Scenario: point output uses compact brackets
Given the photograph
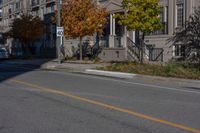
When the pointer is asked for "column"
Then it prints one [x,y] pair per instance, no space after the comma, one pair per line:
[113,25]
[133,36]
[165,14]
[125,40]
[125,37]
[172,16]
[111,37]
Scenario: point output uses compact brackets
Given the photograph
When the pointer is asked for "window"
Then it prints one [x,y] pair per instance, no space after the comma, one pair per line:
[52,8]
[164,21]
[34,2]
[182,49]
[179,15]
[11,8]
[17,5]
[1,13]
[179,50]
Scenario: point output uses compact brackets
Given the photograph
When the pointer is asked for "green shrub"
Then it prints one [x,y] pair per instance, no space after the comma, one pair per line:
[180,70]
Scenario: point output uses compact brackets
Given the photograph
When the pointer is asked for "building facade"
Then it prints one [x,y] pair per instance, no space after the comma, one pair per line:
[174,14]
[158,47]
[10,9]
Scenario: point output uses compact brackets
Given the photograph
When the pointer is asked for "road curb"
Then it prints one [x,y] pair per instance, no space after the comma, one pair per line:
[110,74]
[168,78]
[131,76]
[106,73]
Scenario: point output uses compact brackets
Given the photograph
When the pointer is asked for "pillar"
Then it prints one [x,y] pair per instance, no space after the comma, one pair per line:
[113,25]
[111,36]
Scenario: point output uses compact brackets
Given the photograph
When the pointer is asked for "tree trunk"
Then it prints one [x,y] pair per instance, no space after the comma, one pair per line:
[81,50]
[142,49]
[24,49]
[28,49]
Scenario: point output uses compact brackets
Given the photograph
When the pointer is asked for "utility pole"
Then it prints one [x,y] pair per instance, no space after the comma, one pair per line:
[59,38]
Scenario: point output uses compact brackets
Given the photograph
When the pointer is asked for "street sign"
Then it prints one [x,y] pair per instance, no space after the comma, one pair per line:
[60,31]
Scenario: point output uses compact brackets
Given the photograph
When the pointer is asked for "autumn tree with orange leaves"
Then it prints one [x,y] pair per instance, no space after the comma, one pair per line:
[81,18]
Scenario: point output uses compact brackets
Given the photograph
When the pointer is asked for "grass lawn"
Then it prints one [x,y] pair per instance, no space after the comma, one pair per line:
[169,70]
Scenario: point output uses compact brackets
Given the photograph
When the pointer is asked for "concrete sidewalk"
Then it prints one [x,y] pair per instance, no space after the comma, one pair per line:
[52,64]
[89,68]
[73,67]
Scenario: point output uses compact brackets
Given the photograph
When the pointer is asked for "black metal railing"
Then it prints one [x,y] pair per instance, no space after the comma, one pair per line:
[156,54]
[149,53]
[96,50]
[133,47]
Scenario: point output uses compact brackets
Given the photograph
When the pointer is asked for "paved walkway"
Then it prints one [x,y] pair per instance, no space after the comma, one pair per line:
[74,66]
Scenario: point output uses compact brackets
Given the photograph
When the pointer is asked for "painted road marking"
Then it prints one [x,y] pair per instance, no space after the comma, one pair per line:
[131,83]
[139,115]
[127,82]
[140,84]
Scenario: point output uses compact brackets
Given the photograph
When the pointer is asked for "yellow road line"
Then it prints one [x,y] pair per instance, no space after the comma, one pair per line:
[183,127]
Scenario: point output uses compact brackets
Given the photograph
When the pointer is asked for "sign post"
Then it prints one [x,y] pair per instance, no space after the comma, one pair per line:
[60,34]
[60,31]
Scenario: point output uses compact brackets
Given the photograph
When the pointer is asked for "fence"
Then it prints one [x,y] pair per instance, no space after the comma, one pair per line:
[156,54]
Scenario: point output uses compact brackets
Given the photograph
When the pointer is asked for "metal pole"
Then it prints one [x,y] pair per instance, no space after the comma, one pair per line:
[125,39]
[58,40]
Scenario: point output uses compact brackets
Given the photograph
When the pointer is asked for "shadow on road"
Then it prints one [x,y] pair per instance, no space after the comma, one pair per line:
[193,88]
[13,68]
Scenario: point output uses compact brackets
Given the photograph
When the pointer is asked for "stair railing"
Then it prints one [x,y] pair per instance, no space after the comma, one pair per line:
[133,47]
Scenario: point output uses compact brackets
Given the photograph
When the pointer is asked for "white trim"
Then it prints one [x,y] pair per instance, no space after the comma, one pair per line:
[111,24]
[133,36]
[175,16]
[173,51]
[165,14]
[112,2]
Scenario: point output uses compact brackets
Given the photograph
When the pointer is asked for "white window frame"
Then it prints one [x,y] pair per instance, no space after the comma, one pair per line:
[177,13]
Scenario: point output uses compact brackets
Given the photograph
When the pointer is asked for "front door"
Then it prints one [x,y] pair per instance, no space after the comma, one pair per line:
[119,32]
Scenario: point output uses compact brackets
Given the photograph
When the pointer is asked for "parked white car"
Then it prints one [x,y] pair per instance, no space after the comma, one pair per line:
[3,53]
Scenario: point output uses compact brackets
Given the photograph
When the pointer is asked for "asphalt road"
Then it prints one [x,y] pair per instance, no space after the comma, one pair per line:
[39,101]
